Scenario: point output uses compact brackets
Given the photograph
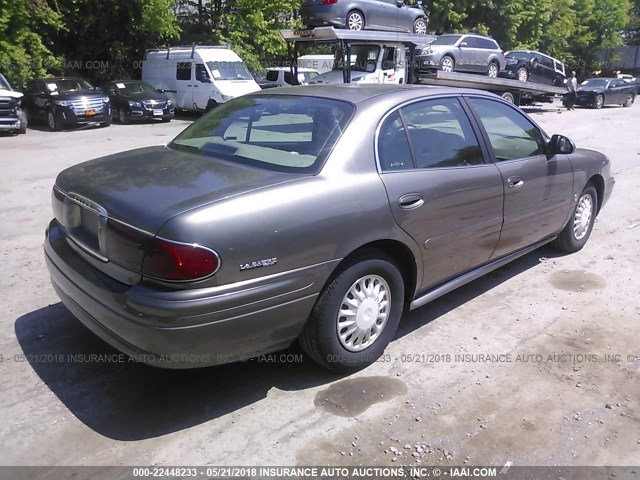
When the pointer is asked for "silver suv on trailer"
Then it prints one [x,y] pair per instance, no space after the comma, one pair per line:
[462,53]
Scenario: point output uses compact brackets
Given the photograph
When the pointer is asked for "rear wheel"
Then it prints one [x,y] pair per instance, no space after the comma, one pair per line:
[356,315]
[355,20]
[578,230]
[493,70]
[508,96]
[523,74]
[447,64]
[123,116]
[420,26]
[628,101]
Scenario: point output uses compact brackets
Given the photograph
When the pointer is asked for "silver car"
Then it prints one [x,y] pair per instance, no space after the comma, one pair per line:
[462,53]
[364,14]
[316,214]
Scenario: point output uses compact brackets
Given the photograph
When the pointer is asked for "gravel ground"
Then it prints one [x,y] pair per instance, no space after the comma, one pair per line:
[537,363]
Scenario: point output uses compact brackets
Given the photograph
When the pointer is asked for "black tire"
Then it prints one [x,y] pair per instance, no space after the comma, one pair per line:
[447,64]
[493,70]
[166,120]
[598,103]
[53,121]
[420,26]
[319,338]
[628,101]
[567,241]
[123,116]
[355,18]
[508,96]
[23,122]
[523,74]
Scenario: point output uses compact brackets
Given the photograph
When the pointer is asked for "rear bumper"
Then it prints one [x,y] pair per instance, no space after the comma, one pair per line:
[319,15]
[184,328]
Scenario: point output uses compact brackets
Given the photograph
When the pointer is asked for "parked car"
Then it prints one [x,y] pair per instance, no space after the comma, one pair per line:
[282,76]
[598,92]
[311,213]
[393,15]
[66,101]
[532,66]
[12,117]
[137,100]
[198,77]
[462,53]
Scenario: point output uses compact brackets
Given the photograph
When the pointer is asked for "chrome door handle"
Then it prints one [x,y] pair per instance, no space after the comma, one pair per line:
[515,182]
[410,201]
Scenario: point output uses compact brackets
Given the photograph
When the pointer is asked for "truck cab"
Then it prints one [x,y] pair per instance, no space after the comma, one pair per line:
[369,63]
[12,118]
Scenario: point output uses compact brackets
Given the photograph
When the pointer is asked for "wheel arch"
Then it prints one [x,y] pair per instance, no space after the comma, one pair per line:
[598,182]
[400,253]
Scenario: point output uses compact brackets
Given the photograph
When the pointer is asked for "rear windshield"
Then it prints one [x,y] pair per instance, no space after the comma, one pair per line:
[284,133]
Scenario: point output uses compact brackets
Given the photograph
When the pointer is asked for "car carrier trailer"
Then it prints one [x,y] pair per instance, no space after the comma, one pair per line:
[405,45]
[514,91]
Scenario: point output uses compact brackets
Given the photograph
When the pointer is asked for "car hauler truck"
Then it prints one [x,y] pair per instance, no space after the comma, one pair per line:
[389,57]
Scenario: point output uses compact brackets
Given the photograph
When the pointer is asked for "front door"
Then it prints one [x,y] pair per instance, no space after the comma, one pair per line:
[537,189]
[440,190]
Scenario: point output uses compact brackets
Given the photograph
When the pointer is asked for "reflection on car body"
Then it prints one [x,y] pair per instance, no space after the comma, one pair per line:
[356,202]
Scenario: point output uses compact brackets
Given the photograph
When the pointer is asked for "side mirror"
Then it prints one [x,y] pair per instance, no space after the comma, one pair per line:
[399,3]
[533,62]
[160,90]
[98,89]
[559,144]
[463,44]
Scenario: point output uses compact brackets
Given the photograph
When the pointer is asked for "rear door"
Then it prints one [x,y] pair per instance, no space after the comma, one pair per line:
[440,190]
[184,85]
[468,58]
[537,189]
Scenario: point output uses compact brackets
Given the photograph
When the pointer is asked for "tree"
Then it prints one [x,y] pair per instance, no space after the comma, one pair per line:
[24,25]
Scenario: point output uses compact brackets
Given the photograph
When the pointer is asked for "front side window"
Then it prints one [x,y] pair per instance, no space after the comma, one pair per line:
[275,132]
[510,133]
[428,134]
[272,76]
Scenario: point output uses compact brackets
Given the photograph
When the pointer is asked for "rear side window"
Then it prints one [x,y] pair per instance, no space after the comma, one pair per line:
[183,71]
[511,134]
[275,132]
[429,134]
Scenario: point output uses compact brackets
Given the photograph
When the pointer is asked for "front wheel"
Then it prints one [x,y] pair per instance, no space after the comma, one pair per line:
[599,102]
[22,116]
[523,74]
[356,315]
[447,64]
[628,101]
[355,20]
[578,230]
[123,116]
[420,26]
[54,123]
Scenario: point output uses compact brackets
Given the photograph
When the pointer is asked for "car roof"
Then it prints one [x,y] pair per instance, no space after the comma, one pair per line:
[354,93]
[287,69]
[535,51]
[59,78]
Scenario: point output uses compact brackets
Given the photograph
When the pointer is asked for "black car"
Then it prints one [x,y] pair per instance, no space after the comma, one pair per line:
[532,66]
[598,92]
[66,101]
[137,100]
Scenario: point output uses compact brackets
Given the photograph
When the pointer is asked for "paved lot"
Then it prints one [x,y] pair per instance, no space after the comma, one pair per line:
[558,381]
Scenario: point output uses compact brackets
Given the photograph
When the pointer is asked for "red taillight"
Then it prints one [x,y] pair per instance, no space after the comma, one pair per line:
[329,2]
[174,261]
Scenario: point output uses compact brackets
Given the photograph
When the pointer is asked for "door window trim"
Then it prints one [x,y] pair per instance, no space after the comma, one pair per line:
[485,136]
[484,152]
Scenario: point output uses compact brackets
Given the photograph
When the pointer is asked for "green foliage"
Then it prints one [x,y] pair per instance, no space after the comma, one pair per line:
[24,52]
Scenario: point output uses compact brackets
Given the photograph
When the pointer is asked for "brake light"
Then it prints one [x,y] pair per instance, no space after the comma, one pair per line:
[329,2]
[176,261]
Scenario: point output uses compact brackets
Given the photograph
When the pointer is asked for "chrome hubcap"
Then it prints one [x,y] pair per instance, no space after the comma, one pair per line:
[493,70]
[582,217]
[421,27]
[522,75]
[363,313]
[355,21]
[599,101]
[447,65]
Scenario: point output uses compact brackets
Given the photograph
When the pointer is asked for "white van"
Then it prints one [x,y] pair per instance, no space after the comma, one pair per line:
[198,77]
